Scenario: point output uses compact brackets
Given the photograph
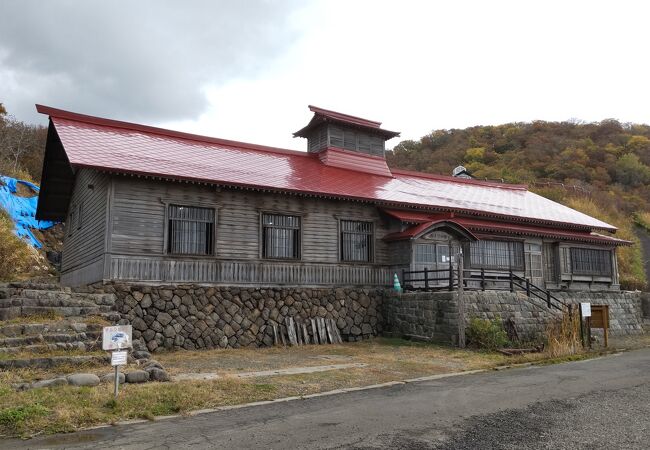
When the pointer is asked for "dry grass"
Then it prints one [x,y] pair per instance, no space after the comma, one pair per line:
[382,352]
[563,336]
[16,257]
[36,318]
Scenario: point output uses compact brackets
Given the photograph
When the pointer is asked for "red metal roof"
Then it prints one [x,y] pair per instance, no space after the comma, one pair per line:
[346,159]
[122,147]
[344,117]
[475,226]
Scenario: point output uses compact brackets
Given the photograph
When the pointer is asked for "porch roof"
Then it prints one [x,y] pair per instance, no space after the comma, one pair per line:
[487,228]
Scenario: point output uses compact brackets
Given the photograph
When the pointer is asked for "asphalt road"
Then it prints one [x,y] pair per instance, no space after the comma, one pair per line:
[601,403]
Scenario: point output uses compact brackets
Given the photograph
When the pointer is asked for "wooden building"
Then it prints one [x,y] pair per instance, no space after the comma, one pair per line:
[144,204]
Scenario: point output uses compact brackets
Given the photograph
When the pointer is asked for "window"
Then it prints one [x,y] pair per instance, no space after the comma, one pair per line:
[589,261]
[191,230]
[432,254]
[497,255]
[533,257]
[356,240]
[80,210]
[280,236]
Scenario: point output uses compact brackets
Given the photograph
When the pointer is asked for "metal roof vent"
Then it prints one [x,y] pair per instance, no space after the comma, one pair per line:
[461,172]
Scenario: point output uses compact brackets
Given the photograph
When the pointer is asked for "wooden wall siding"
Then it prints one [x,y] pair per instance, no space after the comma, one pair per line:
[138,212]
[89,272]
[130,268]
[352,139]
[318,139]
[86,245]
[349,138]
[138,219]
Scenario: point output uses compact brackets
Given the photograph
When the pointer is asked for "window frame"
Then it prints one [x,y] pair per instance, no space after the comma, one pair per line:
[166,233]
[372,234]
[610,264]
[262,241]
[518,268]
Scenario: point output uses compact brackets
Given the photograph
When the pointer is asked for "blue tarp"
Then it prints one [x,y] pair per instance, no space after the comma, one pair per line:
[22,210]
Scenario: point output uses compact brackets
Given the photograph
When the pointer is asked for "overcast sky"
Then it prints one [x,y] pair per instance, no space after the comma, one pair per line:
[246,70]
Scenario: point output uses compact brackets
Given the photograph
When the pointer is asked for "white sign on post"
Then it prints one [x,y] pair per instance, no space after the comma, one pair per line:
[117,338]
[585,309]
[119,358]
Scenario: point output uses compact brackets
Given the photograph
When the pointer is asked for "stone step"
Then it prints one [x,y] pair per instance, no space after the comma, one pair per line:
[37,285]
[42,339]
[13,312]
[50,302]
[51,346]
[28,329]
[51,362]
[58,295]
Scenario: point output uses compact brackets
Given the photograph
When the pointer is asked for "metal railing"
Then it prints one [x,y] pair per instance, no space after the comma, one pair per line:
[476,279]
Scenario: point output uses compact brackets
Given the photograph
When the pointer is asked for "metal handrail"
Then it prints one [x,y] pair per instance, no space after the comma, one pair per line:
[514,281]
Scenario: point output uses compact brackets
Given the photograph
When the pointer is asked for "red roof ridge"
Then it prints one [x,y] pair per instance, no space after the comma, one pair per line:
[344,117]
[431,176]
[94,120]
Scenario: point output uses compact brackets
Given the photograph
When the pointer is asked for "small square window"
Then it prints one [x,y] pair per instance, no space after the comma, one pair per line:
[356,241]
[190,230]
[280,236]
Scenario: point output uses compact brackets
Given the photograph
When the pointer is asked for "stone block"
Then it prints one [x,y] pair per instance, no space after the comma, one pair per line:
[137,376]
[83,379]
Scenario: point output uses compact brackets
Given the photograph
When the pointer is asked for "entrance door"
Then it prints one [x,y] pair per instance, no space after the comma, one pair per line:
[432,257]
[551,268]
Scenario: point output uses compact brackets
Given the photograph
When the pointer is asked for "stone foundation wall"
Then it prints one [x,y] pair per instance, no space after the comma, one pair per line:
[434,315]
[194,317]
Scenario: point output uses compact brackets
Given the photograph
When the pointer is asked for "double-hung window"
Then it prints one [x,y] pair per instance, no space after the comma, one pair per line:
[590,261]
[356,241]
[280,236]
[190,230]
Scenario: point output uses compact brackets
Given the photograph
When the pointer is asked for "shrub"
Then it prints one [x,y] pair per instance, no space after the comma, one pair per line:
[15,255]
[486,334]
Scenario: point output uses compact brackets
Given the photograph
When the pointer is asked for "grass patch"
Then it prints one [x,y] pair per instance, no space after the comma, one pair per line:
[17,419]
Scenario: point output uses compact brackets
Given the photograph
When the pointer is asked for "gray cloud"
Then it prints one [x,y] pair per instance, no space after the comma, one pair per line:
[134,60]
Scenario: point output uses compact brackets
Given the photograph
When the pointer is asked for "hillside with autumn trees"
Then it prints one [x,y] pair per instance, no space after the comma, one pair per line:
[602,169]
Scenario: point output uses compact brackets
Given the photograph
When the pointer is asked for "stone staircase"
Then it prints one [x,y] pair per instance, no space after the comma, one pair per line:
[44,337]
[39,318]
[29,299]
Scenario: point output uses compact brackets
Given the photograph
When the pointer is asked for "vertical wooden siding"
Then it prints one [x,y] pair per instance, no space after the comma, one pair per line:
[84,248]
[138,234]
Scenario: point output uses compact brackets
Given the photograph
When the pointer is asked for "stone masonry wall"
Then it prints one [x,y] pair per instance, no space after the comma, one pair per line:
[194,317]
[434,315]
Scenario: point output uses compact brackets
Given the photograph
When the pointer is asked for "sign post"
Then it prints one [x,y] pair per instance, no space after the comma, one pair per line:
[115,339]
[461,301]
[585,313]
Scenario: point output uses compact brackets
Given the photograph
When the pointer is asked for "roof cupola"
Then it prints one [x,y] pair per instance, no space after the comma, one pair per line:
[347,141]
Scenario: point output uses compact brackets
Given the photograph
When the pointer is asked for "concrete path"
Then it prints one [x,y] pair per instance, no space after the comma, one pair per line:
[268,373]
[601,403]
